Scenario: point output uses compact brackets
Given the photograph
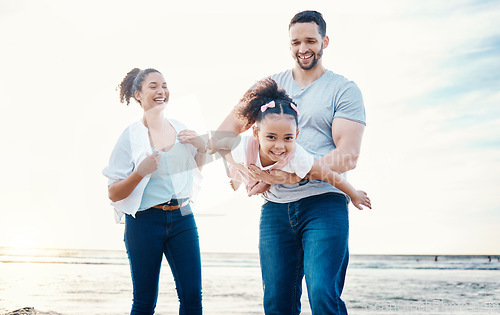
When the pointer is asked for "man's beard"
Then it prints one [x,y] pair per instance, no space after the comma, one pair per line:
[316,57]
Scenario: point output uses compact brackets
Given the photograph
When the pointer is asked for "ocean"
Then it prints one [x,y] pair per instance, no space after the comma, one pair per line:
[98,282]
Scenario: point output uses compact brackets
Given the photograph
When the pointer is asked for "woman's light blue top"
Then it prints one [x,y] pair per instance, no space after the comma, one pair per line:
[172,180]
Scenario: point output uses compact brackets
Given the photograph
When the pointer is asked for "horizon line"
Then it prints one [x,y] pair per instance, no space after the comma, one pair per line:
[241,253]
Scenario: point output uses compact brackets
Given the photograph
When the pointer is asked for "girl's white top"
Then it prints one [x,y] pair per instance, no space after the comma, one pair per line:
[300,164]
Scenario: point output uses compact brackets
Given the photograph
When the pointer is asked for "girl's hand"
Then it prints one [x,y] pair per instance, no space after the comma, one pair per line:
[213,145]
[226,144]
[149,164]
[191,137]
[361,198]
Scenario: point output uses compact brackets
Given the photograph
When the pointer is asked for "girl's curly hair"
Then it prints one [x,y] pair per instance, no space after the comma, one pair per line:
[263,92]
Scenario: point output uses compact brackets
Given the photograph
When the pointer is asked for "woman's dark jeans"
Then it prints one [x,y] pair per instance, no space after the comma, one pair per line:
[152,234]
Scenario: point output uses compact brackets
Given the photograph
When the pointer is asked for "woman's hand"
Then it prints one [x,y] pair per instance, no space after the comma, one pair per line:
[361,198]
[191,137]
[272,177]
[149,164]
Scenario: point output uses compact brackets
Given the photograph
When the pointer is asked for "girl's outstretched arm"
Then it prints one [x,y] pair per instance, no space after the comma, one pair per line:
[231,126]
[324,173]
[223,145]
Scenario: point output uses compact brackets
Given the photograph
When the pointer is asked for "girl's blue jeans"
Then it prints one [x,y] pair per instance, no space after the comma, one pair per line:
[152,234]
[304,238]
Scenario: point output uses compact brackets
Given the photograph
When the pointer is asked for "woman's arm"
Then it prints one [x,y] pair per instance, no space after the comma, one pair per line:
[123,188]
[324,173]
[200,158]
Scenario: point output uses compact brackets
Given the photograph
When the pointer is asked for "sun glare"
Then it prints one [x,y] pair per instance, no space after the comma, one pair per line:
[24,240]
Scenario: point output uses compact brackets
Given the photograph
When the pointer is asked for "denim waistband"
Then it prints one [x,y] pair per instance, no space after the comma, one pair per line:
[174,202]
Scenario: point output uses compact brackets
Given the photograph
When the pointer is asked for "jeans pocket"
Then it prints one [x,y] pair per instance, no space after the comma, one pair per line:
[266,202]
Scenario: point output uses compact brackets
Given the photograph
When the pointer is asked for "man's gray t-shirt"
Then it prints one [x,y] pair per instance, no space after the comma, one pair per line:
[331,96]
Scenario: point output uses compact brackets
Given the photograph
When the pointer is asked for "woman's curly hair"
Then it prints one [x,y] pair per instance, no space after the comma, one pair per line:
[133,82]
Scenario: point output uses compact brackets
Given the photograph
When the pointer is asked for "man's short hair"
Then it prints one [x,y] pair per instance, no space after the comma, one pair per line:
[310,16]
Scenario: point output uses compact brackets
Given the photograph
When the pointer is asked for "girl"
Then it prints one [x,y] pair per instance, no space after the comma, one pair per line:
[150,181]
[273,145]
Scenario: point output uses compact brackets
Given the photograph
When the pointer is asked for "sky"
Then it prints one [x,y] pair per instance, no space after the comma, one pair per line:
[429,73]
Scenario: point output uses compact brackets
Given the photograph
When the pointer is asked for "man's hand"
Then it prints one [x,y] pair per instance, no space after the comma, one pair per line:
[272,177]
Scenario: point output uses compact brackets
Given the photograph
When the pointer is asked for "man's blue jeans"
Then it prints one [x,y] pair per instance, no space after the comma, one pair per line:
[307,237]
[152,234]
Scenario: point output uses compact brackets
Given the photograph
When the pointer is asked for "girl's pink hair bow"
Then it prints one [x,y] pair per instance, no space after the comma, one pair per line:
[295,108]
[271,104]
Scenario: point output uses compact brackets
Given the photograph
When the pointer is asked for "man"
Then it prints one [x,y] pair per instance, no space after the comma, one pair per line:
[304,227]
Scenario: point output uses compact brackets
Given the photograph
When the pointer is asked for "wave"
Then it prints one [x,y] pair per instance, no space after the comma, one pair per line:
[427,267]
[251,260]
[444,262]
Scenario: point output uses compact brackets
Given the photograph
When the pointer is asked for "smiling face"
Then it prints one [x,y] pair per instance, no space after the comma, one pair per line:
[276,134]
[154,91]
[306,44]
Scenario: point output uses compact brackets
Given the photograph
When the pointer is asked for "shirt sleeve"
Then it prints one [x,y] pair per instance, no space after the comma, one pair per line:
[349,103]
[301,162]
[120,162]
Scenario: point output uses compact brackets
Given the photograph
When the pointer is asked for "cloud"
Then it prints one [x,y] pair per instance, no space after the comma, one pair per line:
[431,148]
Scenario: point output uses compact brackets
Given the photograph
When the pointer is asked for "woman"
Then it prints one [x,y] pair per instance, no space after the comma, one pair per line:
[150,181]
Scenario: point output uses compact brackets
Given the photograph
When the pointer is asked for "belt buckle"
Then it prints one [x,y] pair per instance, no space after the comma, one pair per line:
[168,206]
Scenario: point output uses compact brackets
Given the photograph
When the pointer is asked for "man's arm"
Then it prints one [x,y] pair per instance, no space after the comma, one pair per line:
[347,135]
